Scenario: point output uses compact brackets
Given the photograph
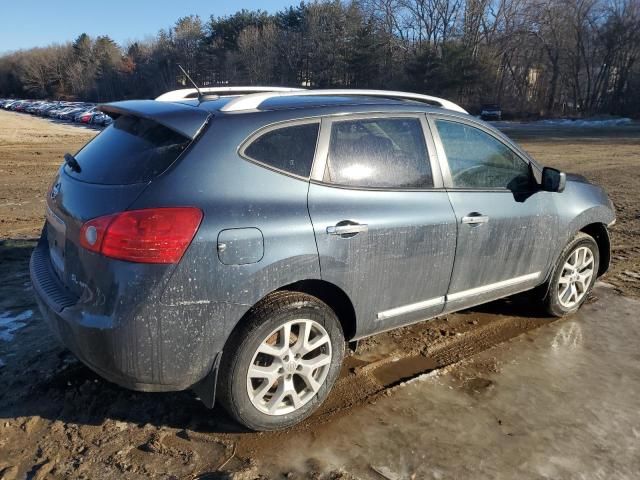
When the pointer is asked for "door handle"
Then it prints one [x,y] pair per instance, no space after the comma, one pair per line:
[347,229]
[475,219]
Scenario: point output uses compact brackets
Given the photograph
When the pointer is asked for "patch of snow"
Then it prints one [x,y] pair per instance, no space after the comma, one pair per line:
[424,377]
[9,324]
[565,122]
[587,122]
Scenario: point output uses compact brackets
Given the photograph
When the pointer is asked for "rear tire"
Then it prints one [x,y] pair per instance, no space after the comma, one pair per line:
[573,276]
[281,363]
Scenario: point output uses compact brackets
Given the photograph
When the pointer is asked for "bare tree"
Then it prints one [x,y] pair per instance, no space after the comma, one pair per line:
[532,56]
[257,48]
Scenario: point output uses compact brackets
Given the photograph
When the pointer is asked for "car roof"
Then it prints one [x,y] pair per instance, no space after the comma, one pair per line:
[188,116]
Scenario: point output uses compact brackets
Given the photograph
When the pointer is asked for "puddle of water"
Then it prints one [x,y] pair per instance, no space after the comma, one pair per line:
[396,372]
[562,404]
[477,385]
[9,324]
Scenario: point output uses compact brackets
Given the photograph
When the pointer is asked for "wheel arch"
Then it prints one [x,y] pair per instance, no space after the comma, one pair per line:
[600,234]
[325,291]
[333,296]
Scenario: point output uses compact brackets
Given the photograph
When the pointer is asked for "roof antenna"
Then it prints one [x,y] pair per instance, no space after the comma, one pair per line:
[200,95]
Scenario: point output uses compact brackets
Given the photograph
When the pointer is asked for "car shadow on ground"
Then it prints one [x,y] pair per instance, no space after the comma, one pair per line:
[520,305]
[42,379]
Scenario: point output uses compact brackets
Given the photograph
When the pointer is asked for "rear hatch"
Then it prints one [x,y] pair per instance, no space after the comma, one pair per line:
[115,168]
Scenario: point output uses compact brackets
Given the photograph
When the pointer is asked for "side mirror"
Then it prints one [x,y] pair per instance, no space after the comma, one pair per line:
[553,180]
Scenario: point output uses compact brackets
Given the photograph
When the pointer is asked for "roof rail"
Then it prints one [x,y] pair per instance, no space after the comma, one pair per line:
[253,101]
[187,93]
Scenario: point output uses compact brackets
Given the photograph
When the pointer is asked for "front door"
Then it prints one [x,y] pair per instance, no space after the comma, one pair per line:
[506,224]
[384,226]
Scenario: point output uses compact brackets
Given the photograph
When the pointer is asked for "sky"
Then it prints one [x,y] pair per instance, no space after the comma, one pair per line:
[36,23]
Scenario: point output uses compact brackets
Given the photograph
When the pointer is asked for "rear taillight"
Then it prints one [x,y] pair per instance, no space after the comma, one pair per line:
[154,235]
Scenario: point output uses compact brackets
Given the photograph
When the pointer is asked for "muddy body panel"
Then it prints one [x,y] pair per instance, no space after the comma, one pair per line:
[510,251]
[162,326]
[404,258]
[140,344]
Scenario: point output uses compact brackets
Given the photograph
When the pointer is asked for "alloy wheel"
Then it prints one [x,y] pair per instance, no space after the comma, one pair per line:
[289,367]
[576,276]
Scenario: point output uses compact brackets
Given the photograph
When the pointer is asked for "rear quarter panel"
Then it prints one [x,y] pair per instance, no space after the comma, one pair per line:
[235,194]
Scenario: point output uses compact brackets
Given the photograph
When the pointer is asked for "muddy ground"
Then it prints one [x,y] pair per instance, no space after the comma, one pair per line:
[59,420]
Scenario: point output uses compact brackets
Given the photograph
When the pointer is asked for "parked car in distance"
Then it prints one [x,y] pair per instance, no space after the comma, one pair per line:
[491,111]
[234,245]
[70,115]
[57,110]
[85,115]
[78,112]
[19,106]
[101,119]
[33,106]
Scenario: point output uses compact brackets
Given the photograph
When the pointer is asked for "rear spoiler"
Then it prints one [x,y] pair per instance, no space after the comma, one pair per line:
[183,119]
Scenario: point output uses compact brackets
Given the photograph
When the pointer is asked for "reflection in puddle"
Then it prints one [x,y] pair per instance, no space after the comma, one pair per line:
[569,336]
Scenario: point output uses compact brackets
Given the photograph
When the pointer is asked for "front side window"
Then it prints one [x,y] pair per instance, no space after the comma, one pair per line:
[290,149]
[378,153]
[478,160]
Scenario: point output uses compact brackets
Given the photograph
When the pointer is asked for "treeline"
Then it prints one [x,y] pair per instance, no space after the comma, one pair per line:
[539,57]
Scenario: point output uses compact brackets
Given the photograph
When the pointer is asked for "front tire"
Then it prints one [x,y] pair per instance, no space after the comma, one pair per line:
[573,277]
[281,363]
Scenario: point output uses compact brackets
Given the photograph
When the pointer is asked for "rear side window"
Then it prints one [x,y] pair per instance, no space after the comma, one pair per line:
[378,153]
[290,149]
[131,150]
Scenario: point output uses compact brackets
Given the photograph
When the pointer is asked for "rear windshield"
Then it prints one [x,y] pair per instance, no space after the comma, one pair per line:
[131,150]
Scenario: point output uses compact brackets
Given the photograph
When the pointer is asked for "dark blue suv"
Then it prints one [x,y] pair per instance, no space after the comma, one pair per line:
[232,244]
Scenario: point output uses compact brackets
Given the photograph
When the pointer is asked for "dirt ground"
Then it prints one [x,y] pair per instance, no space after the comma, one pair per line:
[60,420]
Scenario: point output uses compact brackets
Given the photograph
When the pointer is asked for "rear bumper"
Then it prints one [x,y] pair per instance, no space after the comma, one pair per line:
[149,347]
[89,346]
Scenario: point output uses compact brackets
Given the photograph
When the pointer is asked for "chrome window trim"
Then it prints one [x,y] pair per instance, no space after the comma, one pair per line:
[432,151]
[377,189]
[322,151]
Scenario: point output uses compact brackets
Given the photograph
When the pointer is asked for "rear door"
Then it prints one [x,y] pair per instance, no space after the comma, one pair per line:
[384,226]
[506,224]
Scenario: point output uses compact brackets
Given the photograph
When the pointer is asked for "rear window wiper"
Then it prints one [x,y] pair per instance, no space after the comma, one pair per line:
[72,162]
